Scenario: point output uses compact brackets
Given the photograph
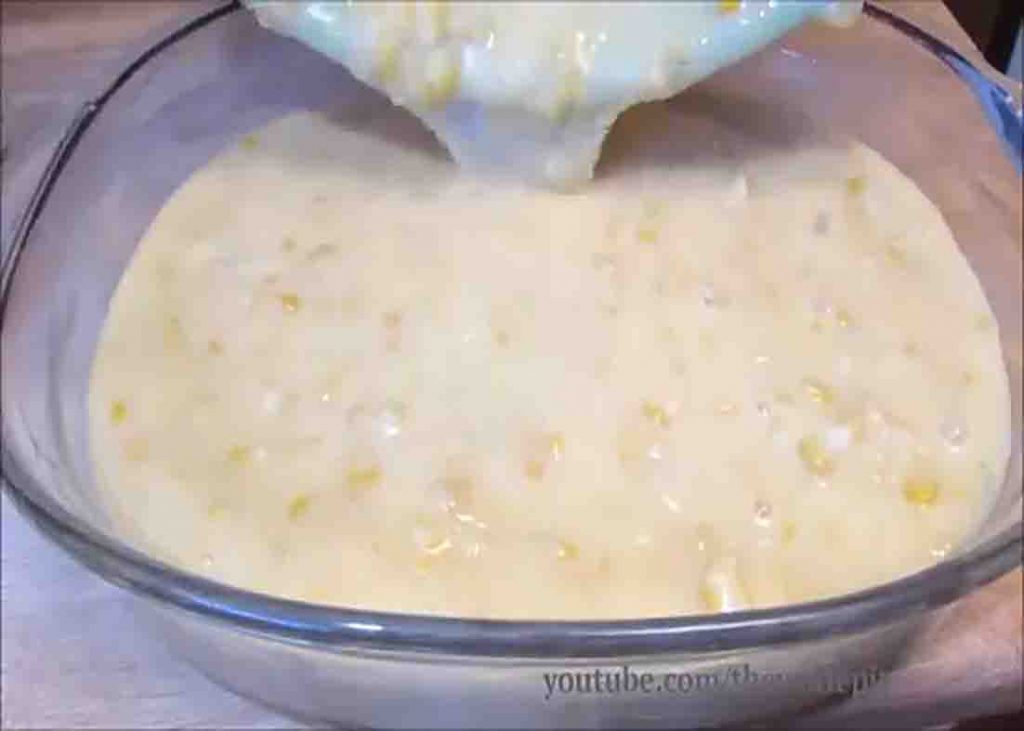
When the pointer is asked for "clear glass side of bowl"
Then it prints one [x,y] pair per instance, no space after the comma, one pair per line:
[230,76]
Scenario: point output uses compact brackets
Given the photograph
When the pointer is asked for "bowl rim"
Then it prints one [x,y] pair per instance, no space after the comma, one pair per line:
[355,629]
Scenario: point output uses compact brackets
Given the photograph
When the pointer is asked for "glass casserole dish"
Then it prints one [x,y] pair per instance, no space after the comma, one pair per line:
[222,75]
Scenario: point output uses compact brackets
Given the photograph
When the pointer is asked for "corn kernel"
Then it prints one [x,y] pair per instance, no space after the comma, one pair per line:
[895,255]
[647,234]
[387,63]
[819,392]
[726,7]
[657,414]
[118,412]
[442,84]
[568,550]
[814,457]
[556,447]
[844,319]
[918,491]
[788,532]
[711,599]
[239,454]
[289,243]
[649,228]
[215,347]
[250,142]
[543,450]
[535,470]
[290,302]
[298,507]
[361,479]
[857,184]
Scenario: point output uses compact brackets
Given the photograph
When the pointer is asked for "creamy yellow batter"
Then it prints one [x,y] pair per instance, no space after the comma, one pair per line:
[336,371]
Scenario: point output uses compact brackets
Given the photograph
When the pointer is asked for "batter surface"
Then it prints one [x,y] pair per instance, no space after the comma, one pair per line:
[338,372]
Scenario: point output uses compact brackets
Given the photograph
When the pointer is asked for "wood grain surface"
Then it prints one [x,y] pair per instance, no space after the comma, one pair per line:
[72,653]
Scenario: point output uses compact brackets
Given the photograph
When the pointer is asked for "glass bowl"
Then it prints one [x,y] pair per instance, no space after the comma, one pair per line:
[897,89]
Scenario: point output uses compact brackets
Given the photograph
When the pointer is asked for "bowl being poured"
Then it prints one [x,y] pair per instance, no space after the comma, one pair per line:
[529,90]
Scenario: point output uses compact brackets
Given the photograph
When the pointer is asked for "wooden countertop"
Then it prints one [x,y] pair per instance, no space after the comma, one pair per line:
[73,655]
